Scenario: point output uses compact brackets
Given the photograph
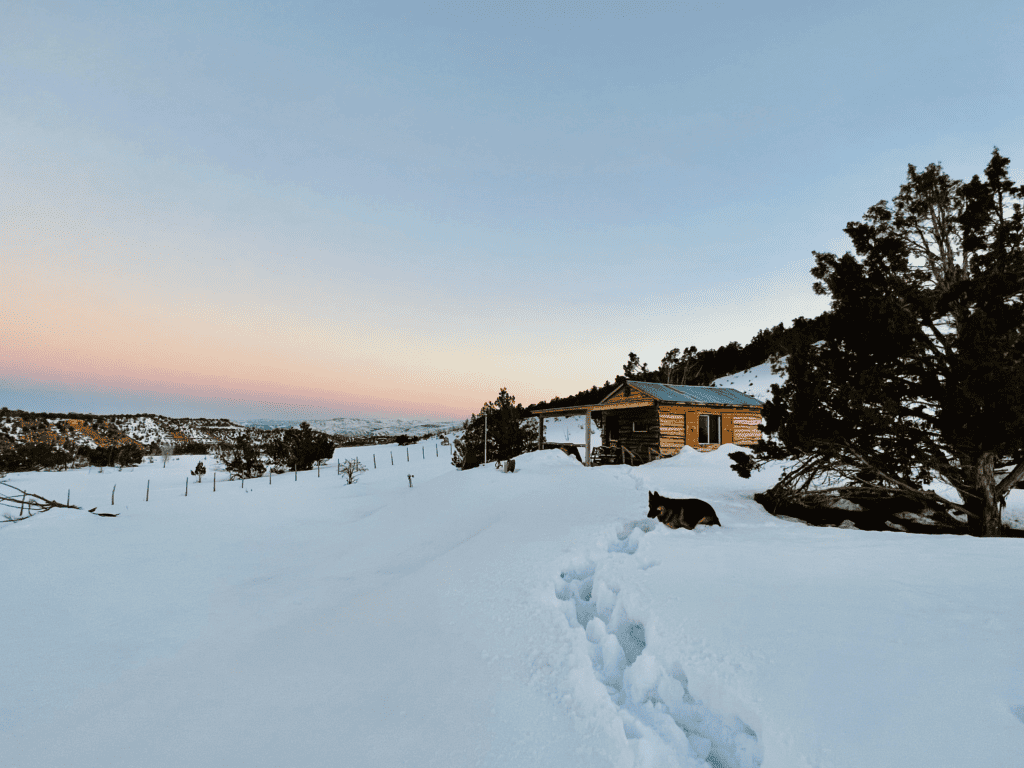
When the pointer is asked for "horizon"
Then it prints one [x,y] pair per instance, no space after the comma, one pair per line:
[393,210]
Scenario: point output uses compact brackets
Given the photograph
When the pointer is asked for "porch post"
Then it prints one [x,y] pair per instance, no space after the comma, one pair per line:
[540,433]
[587,462]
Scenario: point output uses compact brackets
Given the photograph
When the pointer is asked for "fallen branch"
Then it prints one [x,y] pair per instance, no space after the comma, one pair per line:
[32,504]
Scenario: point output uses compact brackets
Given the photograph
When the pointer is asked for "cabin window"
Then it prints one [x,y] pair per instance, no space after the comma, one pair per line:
[710,430]
[639,429]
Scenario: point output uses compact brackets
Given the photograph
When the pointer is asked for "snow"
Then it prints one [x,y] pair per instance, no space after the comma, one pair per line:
[756,382]
[484,618]
[571,429]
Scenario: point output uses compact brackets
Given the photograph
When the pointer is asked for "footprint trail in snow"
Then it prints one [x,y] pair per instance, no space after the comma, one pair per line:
[663,723]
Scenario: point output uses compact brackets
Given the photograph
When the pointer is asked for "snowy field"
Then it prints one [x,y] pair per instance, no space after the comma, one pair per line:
[479,618]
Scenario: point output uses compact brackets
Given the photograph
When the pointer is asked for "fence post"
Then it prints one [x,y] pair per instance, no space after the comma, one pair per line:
[375,461]
[392,458]
[112,494]
[423,450]
[69,493]
[407,453]
[147,492]
[214,482]
[186,489]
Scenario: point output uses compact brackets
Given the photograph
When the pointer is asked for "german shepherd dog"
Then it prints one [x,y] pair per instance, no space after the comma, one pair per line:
[681,513]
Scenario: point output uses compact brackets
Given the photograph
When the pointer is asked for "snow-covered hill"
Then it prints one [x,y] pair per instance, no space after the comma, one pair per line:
[148,429]
[482,618]
[101,431]
[366,426]
[756,382]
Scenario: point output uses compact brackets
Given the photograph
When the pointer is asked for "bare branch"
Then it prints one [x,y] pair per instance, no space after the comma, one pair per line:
[32,504]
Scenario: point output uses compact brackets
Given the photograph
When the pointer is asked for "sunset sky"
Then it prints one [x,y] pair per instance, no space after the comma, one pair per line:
[308,210]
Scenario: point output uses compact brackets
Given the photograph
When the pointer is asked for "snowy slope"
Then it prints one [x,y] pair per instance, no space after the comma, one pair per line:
[480,618]
[756,382]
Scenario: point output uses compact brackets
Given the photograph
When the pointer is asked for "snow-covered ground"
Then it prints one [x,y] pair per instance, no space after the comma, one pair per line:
[571,429]
[479,618]
[756,382]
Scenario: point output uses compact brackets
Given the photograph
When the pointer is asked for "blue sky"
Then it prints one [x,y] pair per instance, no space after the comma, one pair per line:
[318,209]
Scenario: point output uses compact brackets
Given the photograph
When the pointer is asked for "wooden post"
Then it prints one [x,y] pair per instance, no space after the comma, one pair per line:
[214,482]
[437,451]
[69,493]
[407,453]
[296,473]
[485,438]
[186,489]
[423,450]
[540,433]
[375,461]
[587,462]
[392,458]
[115,488]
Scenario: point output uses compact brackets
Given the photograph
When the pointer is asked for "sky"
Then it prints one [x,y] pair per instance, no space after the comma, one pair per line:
[311,210]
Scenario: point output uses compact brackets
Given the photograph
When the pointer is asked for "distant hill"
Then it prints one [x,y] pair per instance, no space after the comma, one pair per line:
[352,427]
[68,430]
[64,430]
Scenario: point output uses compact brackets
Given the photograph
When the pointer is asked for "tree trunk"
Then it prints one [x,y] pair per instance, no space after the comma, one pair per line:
[988,506]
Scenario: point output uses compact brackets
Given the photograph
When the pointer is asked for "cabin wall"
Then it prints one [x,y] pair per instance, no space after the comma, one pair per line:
[678,426]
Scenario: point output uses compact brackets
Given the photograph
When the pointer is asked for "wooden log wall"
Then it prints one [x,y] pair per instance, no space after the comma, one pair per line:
[745,428]
[668,427]
[680,425]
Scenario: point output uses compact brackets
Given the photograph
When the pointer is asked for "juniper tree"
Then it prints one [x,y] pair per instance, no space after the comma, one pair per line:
[920,375]
[510,432]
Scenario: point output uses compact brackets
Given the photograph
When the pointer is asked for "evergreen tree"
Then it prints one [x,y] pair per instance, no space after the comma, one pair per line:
[241,457]
[510,432]
[920,375]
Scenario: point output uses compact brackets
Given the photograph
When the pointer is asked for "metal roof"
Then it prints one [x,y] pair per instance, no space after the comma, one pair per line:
[684,393]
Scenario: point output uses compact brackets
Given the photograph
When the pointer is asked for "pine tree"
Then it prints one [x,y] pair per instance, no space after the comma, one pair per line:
[510,432]
[920,375]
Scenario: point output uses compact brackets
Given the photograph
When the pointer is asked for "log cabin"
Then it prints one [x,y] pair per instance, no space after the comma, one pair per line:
[645,420]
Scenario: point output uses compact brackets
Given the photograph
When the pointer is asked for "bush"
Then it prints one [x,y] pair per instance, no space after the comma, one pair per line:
[350,469]
[299,449]
[241,458]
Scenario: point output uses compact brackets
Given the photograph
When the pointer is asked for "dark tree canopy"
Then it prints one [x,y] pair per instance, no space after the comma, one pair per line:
[920,375]
[509,433]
